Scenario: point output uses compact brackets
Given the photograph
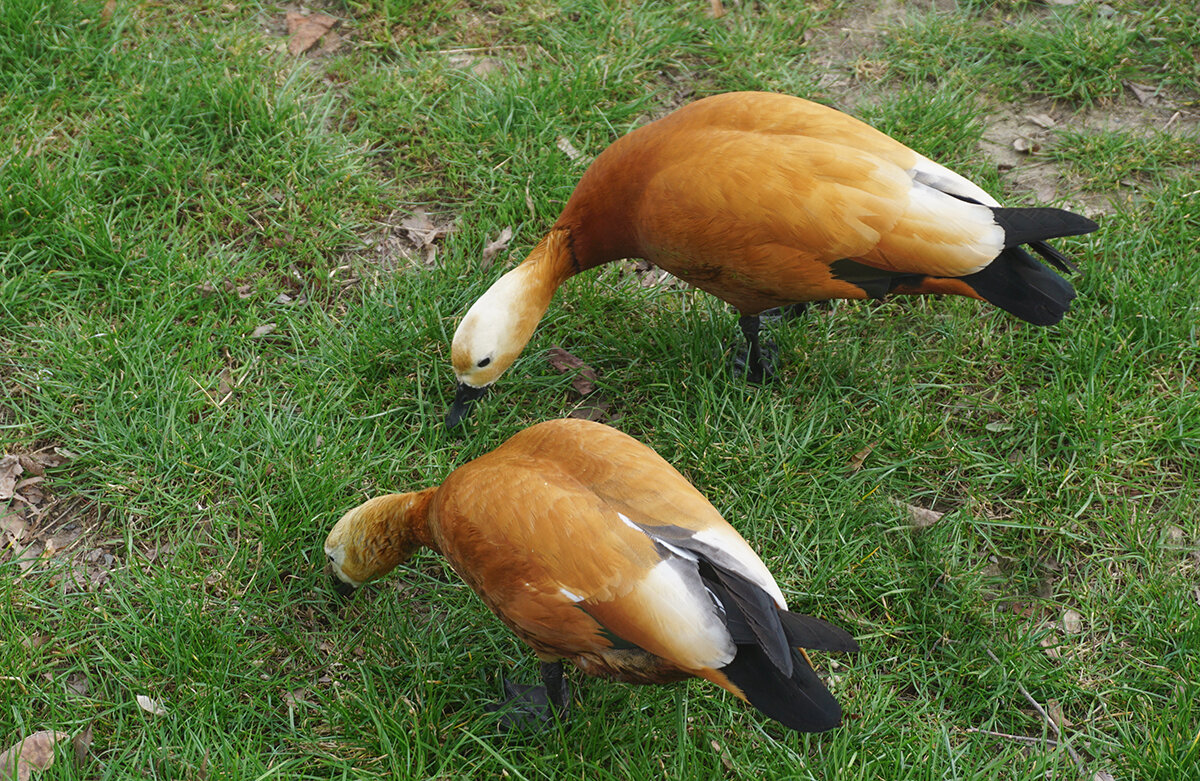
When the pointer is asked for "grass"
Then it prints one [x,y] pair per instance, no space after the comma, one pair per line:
[174,182]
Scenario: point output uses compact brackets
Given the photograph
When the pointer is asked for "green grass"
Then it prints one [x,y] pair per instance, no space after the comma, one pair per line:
[171,175]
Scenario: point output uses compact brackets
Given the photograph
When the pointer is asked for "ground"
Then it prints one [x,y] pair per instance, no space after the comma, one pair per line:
[233,250]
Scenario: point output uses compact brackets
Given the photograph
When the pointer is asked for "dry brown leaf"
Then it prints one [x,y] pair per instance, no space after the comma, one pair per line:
[856,461]
[494,248]
[225,383]
[562,362]
[596,409]
[35,752]
[1042,120]
[12,527]
[1054,711]
[1145,94]
[722,752]
[1025,145]
[919,517]
[10,470]
[305,31]
[1103,775]
[716,11]
[567,148]
[262,330]
[82,743]
[106,13]
[151,706]
[1072,621]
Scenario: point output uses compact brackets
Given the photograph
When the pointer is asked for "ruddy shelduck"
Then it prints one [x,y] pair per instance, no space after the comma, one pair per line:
[593,549]
[765,200]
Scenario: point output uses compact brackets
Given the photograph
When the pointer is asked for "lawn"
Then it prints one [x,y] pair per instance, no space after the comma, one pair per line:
[229,276]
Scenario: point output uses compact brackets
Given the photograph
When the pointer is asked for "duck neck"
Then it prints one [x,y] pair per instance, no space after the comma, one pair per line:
[545,268]
[398,524]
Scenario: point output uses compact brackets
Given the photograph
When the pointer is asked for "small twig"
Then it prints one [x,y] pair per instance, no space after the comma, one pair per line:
[1078,760]
[1019,738]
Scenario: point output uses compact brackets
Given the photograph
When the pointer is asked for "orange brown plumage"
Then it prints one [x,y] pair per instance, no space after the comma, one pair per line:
[593,549]
[765,200]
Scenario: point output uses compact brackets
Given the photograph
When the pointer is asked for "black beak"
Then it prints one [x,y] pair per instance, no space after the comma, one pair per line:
[461,407]
[343,588]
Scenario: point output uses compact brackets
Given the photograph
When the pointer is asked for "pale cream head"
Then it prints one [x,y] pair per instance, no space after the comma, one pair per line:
[496,329]
[376,536]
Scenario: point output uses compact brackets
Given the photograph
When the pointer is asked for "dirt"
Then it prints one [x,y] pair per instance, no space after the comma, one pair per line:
[848,51]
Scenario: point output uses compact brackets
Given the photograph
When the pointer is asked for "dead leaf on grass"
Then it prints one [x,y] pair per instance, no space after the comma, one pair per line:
[10,470]
[494,248]
[106,13]
[596,409]
[716,10]
[12,528]
[562,362]
[1072,621]
[1042,120]
[722,752]
[1146,95]
[423,232]
[35,752]
[567,148]
[262,330]
[1103,775]
[150,705]
[856,461]
[305,31]
[82,743]
[919,517]
[1025,145]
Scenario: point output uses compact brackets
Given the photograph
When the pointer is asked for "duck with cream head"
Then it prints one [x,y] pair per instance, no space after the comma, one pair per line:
[593,549]
[765,200]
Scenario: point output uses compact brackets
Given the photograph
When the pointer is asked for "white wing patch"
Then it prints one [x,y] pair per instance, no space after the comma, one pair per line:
[939,177]
[569,594]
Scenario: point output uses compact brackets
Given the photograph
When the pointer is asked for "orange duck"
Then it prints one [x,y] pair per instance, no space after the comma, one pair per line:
[593,549]
[765,200]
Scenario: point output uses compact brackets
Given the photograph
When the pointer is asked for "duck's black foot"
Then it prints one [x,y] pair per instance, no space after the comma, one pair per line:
[758,362]
[742,362]
[532,708]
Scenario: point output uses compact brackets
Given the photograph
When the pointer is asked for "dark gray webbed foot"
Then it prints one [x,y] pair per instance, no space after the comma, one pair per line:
[532,708]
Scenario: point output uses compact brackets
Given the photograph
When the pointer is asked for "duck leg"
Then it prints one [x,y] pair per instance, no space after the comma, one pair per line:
[529,708]
[758,364]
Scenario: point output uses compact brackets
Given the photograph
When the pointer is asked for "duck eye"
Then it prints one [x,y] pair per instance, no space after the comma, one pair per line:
[484,362]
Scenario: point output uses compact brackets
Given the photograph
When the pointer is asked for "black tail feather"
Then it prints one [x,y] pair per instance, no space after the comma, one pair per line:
[814,634]
[750,614]
[1023,225]
[1021,286]
[799,701]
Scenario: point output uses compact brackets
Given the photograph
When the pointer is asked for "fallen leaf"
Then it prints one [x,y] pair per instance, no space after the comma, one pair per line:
[1072,622]
[919,517]
[10,470]
[567,148]
[856,460]
[1042,120]
[1050,646]
[150,706]
[716,11]
[305,31]
[1103,775]
[225,383]
[1054,711]
[1145,94]
[35,752]
[596,409]
[494,248]
[262,330]
[12,526]
[1025,145]
[722,752]
[999,426]
[82,743]
[1176,537]
[106,13]
[563,362]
